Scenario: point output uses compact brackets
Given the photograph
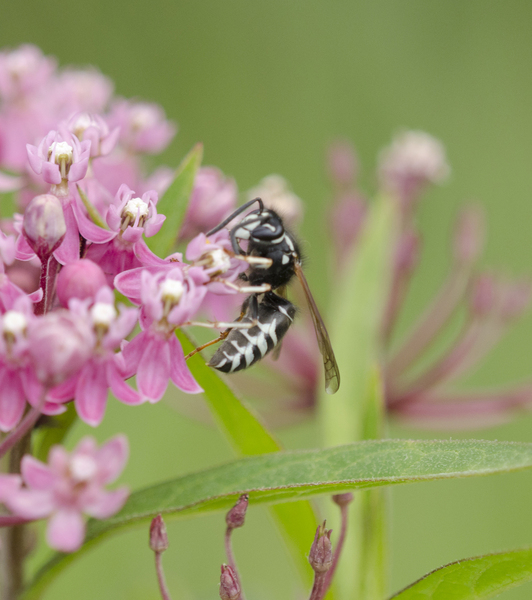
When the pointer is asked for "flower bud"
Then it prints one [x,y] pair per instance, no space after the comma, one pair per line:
[229,586]
[277,195]
[483,295]
[158,535]
[469,235]
[343,499]
[342,163]
[413,160]
[320,557]
[80,279]
[44,225]
[59,344]
[235,517]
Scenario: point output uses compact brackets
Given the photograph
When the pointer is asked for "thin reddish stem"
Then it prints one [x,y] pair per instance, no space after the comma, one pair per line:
[165,594]
[24,426]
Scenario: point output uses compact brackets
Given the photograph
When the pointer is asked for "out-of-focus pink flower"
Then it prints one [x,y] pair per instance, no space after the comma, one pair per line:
[71,486]
[413,160]
[170,298]
[213,198]
[276,194]
[23,71]
[143,126]
[59,345]
[104,369]
[342,163]
[81,90]
[18,381]
[81,279]
[86,126]
[60,157]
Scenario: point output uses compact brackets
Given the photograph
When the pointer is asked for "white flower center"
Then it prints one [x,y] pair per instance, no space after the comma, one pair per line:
[19,63]
[82,467]
[136,206]
[82,122]
[103,314]
[14,322]
[172,290]
[143,117]
[63,151]
[220,260]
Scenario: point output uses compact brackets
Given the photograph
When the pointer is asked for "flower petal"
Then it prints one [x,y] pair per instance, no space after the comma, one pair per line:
[12,399]
[31,504]
[66,530]
[154,369]
[119,387]
[112,458]
[105,504]
[36,474]
[91,393]
[179,372]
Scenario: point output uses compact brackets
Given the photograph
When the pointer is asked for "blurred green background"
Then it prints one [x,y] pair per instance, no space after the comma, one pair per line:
[266,86]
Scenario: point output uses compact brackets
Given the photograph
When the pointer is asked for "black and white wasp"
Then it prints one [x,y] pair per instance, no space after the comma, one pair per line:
[270,313]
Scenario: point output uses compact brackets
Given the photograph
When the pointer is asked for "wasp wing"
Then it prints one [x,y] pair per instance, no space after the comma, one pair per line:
[332,373]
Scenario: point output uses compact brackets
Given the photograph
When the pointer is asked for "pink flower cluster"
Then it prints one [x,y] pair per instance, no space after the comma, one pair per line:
[76,161]
[68,487]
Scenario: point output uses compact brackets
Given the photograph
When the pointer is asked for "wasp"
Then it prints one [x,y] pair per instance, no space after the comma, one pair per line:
[268,315]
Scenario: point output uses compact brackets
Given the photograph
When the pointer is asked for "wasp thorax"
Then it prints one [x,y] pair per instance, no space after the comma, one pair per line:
[135,211]
[14,323]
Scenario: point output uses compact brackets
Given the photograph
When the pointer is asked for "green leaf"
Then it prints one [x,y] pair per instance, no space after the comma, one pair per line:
[248,437]
[476,578]
[94,215]
[53,432]
[174,203]
[282,476]
[355,411]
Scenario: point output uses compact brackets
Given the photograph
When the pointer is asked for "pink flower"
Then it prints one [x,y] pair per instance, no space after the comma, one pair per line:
[103,369]
[80,279]
[7,248]
[18,380]
[87,126]
[213,198]
[143,126]
[82,90]
[60,157]
[128,218]
[23,71]
[70,486]
[169,299]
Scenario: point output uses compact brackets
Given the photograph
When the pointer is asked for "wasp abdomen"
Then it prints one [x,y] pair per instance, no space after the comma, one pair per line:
[244,347]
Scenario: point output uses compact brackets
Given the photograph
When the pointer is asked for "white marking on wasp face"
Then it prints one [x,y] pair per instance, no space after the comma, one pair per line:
[289,242]
[284,311]
[242,234]
[285,260]
[269,226]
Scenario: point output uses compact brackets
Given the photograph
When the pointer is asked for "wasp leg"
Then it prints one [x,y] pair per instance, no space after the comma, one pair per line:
[220,338]
[249,289]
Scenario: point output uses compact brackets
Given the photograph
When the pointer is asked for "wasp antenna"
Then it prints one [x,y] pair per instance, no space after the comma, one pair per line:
[235,213]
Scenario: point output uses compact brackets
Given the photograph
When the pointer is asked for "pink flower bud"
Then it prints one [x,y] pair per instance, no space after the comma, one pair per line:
[277,195]
[343,499]
[413,159]
[80,279]
[235,517]
[320,556]
[59,345]
[229,586]
[483,295]
[158,535]
[469,235]
[44,225]
[342,163]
